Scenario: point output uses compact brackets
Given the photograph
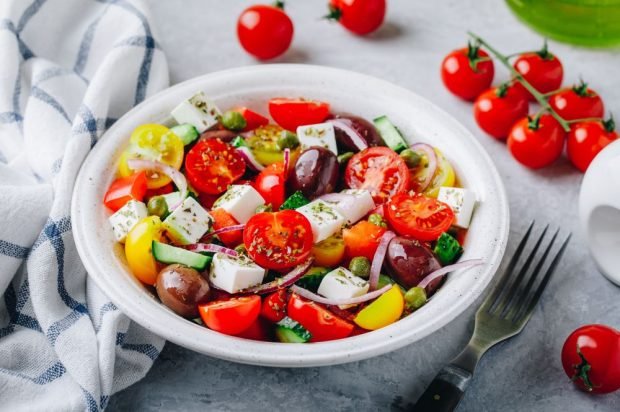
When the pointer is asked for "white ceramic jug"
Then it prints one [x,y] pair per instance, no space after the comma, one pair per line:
[599,210]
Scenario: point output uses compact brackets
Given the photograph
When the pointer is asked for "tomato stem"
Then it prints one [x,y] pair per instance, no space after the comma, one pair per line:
[544,51]
[334,13]
[581,89]
[609,124]
[502,89]
[279,4]
[582,372]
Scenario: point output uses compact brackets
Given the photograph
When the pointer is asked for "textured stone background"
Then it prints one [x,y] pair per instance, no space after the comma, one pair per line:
[523,374]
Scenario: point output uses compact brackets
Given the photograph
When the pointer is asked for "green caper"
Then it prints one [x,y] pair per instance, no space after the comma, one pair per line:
[233,121]
[377,219]
[344,158]
[264,208]
[415,297]
[410,157]
[288,140]
[360,266]
[157,206]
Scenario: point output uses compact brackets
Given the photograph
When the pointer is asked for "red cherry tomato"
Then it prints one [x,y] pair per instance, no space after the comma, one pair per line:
[231,316]
[270,183]
[362,239]
[380,171]
[222,219]
[541,69]
[497,110]
[591,358]
[291,113]
[536,144]
[321,323]
[124,189]
[253,120]
[464,75]
[264,31]
[274,306]
[587,139]
[580,102]
[212,165]
[358,16]
[259,330]
[278,240]
[421,217]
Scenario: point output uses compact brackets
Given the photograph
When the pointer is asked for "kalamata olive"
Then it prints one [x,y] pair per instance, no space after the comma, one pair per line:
[409,261]
[181,289]
[363,127]
[315,172]
[224,135]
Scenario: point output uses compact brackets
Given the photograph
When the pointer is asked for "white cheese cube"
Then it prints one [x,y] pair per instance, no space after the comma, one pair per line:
[198,111]
[126,218]
[320,134]
[188,222]
[324,219]
[358,204]
[462,202]
[172,199]
[233,274]
[240,201]
[342,284]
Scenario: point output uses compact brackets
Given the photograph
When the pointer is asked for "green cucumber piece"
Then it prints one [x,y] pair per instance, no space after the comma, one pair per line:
[294,201]
[390,134]
[171,254]
[186,132]
[447,249]
[239,142]
[291,331]
[312,279]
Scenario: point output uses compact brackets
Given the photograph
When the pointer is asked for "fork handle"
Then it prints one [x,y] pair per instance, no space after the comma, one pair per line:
[445,391]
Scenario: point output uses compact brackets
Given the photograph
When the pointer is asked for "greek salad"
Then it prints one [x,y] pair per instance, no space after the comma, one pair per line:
[309,227]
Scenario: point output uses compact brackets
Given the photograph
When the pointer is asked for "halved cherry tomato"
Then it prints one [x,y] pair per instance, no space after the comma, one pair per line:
[536,143]
[291,113]
[444,175]
[328,252]
[270,183]
[212,165]
[252,119]
[124,189]
[587,139]
[278,240]
[164,190]
[259,330]
[274,306]
[497,110]
[579,102]
[138,249]
[467,72]
[419,216]
[264,145]
[385,310]
[320,322]
[362,239]
[541,69]
[231,316]
[379,170]
[222,219]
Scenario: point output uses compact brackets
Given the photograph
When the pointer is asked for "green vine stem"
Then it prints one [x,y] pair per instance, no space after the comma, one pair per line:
[537,95]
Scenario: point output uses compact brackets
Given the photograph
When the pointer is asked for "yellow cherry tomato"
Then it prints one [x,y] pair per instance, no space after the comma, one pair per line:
[138,249]
[329,252]
[444,176]
[153,142]
[263,143]
[385,310]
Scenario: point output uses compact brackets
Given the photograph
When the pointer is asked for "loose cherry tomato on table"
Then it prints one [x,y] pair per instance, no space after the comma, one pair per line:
[380,171]
[579,102]
[541,69]
[497,109]
[320,322]
[212,165]
[537,142]
[467,72]
[265,31]
[291,113]
[274,306]
[358,16]
[362,239]
[253,120]
[223,219]
[587,139]
[124,189]
[591,358]
[418,216]
[231,316]
[270,183]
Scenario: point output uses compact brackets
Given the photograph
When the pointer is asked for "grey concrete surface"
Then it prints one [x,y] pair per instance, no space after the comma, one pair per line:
[523,374]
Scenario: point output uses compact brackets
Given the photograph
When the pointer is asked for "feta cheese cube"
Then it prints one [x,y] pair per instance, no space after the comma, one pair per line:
[233,274]
[320,134]
[126,218]
[342,284]
[172,199]
[462,202]
[240,201]
[324,219]
[187,223]
[198,111]
[358,204]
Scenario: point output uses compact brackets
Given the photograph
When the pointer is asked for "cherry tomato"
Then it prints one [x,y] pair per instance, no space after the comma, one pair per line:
[497,110]
[321,323]
[164,190]
[278,240]
[358,16]
[264,31]
[291,113]
[591,358]
[587,139]
[362,239]
[419,216]
[252,119]
[222,219]
[385,310]
[274,306]
[231,316]
[541,69]
[536,144]
[270,183]
[464,73]
[259,330]
[124,189]
[379,170]
[138,249]
[580,102]
[444,176]
[328,252]
[212,165]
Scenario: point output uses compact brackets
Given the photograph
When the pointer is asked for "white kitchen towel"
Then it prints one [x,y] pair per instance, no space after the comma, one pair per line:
[68,69]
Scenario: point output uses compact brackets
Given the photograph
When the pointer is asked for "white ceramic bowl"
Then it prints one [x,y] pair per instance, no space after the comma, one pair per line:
[346,91]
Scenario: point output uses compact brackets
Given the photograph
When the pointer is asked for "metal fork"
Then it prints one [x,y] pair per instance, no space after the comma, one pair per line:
[504,314]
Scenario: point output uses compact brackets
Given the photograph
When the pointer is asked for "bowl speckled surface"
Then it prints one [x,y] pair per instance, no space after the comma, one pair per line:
[418,119]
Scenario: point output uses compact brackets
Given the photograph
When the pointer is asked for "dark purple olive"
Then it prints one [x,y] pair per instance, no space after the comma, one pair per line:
[224,135]
[315,172]
[409,261]
[181,289]
[363,127]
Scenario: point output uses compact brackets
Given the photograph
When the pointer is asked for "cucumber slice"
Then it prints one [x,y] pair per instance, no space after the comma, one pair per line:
[447,249]
[390,134]
[186,132]
[312,279]
[171,254]
[290,331]
[294,201]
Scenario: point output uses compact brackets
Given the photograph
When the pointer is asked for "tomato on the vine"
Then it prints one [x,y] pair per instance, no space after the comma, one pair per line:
[579,102]
[265,31]
[586,139]
[537,142]
[467,72]
[212,165]
[541,69]
[422,217]
[497,109]
[358,16]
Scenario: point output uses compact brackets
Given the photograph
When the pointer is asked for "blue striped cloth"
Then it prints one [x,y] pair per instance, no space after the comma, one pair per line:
[68,69]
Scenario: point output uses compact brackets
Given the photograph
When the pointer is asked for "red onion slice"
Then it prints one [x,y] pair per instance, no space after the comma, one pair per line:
[249,159]
[226,229]
[287,160]
[177,177]
[283,282]
[431,157]
[350,301]
[357,139]
[210,247]
[446,269]
[377,259]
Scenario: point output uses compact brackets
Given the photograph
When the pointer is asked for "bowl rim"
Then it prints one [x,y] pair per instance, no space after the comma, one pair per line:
[268,353]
